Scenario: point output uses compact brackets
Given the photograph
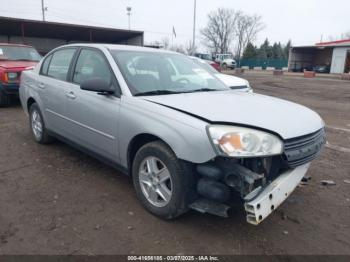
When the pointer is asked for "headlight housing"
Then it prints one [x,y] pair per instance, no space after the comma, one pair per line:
[243,142]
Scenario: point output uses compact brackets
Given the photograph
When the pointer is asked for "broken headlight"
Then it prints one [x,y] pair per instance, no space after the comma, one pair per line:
[244,142]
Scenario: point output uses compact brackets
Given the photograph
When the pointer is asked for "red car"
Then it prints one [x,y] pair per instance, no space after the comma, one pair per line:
[14,59]
[215,65]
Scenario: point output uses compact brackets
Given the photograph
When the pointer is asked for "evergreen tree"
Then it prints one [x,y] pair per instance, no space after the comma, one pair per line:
[286,49]
[265,50]
[250,51]
[261,54]
[277,50]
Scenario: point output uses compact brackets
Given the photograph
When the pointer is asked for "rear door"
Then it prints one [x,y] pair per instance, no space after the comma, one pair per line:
[93,118]
[54,88]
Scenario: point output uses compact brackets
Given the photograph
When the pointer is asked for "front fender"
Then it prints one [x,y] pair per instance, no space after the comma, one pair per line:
[186,135]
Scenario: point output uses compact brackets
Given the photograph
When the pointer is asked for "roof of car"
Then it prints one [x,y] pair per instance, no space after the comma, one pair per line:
[124,48]
[11,44]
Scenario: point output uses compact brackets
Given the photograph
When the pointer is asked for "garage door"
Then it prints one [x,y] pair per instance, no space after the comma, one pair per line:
[338,65]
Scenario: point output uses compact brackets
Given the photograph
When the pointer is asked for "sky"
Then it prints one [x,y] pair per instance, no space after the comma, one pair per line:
[302,21]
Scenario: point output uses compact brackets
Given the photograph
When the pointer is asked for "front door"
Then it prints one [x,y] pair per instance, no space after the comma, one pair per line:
[93,118]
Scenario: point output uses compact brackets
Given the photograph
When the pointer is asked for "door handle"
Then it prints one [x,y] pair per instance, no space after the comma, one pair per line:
[41,85]
[71,95]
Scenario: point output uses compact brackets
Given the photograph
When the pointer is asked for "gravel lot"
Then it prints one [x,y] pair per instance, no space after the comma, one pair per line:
[56,200]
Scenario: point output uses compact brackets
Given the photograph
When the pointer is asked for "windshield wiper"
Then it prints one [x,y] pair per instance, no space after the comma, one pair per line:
[157,92]
[203,90]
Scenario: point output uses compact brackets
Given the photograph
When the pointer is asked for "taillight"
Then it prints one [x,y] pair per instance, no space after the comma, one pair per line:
[12,76]
[9,77]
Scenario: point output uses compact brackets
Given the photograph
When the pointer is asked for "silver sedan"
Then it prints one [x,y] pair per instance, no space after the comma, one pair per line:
[186,139]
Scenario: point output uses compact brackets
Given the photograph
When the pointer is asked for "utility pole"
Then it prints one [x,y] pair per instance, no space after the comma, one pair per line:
[172,39]
[194,27]
[128,10]
[43,9]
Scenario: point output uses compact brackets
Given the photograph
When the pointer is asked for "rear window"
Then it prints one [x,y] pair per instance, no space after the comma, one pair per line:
[45,66]
[19,53]
[60,63]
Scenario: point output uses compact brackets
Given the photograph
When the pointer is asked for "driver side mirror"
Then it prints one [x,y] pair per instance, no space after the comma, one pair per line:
[98,85]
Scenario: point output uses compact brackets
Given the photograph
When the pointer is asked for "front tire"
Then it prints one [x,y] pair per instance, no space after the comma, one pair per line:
[164,184]
[224,67]
[37,125]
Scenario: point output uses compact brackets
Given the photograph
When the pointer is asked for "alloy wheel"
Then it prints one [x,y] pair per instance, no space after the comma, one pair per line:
[155,181]
[37,125]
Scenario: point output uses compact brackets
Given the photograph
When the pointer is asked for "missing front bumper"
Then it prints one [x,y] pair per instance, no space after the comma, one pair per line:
[273,195]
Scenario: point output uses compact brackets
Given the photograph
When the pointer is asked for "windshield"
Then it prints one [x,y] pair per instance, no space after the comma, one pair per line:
[15,53]
[227,56]
[149,73]
[205,56]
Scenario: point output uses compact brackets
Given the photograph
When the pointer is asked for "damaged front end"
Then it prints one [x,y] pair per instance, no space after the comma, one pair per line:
[262,182]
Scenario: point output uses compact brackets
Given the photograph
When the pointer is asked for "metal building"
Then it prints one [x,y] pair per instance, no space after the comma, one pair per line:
[335,55]
[45,36]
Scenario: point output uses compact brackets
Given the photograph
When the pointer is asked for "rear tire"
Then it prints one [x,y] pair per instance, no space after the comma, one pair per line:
[166,200]
[37,126]
[4,99]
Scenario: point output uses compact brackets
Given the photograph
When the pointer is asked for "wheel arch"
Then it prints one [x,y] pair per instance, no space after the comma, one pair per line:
[137,142]
[33,98]
[30,101]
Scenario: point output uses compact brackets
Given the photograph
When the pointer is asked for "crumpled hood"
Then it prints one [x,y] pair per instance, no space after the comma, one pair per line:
[232,81]
[280,116]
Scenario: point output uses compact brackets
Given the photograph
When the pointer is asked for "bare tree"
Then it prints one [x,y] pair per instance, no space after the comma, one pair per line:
[246,31]
[219,31]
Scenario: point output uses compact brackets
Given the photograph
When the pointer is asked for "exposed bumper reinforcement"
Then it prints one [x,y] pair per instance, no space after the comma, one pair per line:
[273,195]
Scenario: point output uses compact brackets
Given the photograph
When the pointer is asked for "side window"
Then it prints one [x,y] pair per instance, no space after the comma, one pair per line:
[60,63]
[45,65]
[91,64]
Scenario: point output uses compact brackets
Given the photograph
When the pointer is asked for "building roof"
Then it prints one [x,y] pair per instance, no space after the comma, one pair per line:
[345,42]
[70,32]
[322,45]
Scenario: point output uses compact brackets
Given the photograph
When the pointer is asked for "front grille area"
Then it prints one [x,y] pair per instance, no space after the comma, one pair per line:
[300,150]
